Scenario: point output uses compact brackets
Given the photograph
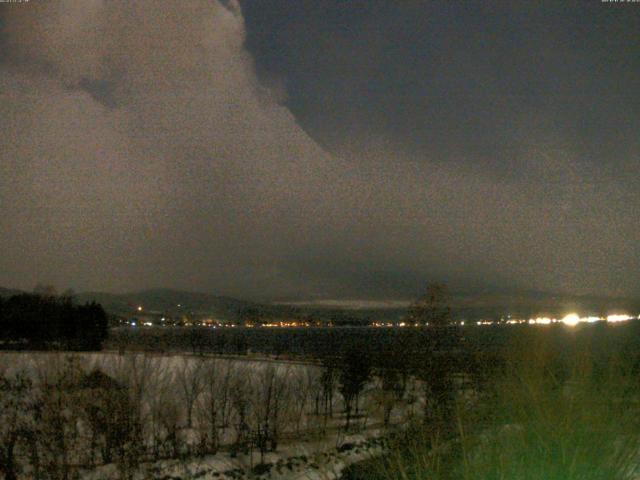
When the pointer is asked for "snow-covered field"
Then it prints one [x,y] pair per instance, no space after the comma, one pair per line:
[104,415]
[297,461]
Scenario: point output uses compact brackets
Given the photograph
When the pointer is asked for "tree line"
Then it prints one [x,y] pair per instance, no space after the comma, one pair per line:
[62,413]
[59,413]
[36,321]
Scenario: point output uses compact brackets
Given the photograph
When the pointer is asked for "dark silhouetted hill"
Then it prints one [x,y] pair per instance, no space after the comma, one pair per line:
[472,306]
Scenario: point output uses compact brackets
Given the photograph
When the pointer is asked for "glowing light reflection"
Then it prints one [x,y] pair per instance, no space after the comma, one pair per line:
[571,320]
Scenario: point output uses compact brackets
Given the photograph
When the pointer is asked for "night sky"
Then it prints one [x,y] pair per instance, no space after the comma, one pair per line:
[320,149]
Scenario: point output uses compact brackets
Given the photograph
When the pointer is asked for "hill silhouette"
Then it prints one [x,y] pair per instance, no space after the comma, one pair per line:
[472,306]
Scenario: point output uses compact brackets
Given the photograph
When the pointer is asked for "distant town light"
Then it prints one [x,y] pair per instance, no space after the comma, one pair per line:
[618,318]
[543,321]
[571,320]
[139,308]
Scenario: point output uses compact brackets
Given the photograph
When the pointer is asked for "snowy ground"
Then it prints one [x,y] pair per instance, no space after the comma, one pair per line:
[309,447]
[301,461]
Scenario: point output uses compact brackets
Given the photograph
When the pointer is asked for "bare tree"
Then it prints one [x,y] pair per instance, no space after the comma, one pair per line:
[169,417]
[393,374]
[432,308]
[17,411]
[240,393]
[160,386]
[103,405]
[59,415]
[389,381]
[269,400]
[328,380]
[136,372]
[214,403]
[301,391]
[230,373]
[190,382]
[354,374]
[437,375]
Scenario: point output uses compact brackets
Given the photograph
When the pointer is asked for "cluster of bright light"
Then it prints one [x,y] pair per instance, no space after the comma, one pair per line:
[383,324]
[543,321]
[619,318]
[287,324]
[400,324]
[571,320]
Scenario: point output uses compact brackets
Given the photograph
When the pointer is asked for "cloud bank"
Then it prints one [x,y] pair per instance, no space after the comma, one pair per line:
[139,149]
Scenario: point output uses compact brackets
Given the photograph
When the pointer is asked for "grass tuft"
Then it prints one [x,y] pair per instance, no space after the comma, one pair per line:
[553,414]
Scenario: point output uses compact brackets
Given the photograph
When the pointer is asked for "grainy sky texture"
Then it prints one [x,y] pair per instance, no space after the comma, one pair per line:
[320,149]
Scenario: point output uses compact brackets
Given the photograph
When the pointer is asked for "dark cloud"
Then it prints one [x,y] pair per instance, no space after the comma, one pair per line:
[319,149]
[102,91]
[515,121]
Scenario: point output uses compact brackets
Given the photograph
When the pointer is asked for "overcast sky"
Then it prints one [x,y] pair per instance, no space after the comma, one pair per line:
[320,149]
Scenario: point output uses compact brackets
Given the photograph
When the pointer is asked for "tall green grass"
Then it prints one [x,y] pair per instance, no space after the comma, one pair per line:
[559,411]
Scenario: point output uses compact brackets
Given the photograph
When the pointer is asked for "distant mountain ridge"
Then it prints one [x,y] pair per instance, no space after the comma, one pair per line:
[8,292]
[468,305]
[165,299]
